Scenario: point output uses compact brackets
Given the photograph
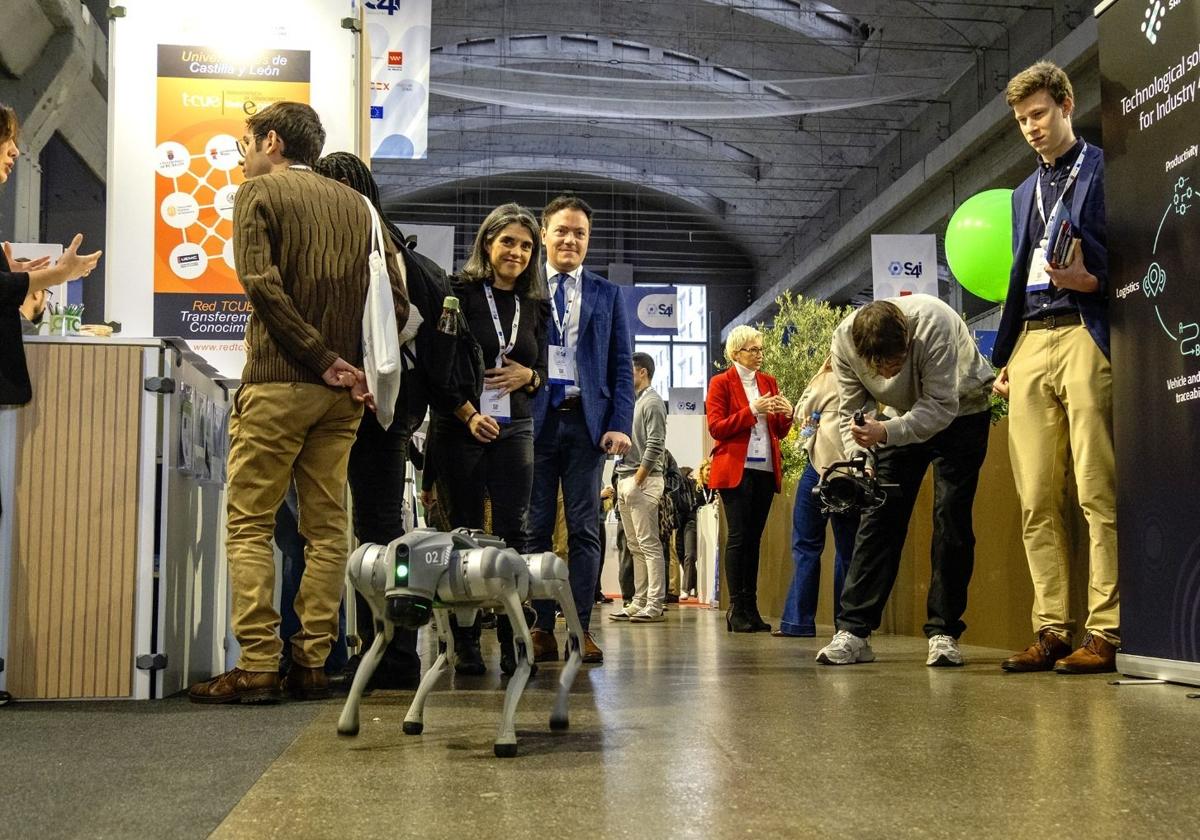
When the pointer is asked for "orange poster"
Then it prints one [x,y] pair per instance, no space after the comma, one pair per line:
[204,97]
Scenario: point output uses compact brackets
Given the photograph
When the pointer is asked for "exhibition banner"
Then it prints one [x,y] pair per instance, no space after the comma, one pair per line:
[205,94]
[398,32]
[1150,78]
[182,79]
[652,310]
[904,265]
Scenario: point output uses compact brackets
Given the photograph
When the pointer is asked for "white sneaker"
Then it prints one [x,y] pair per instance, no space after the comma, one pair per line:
[626,612]
[647,615]
[846,649]
[944,652]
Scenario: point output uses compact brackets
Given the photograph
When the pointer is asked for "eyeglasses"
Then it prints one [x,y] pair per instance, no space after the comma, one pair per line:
[758,351]
[242,148]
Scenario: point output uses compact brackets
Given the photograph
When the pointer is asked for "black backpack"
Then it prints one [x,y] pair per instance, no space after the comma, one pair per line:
[676,498]
[444,365]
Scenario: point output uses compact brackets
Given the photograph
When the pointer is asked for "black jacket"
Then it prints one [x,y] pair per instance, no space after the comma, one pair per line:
[14,375]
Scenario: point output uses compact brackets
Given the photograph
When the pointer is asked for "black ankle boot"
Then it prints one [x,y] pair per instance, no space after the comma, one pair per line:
[736,620]
[466,650]
[756,620]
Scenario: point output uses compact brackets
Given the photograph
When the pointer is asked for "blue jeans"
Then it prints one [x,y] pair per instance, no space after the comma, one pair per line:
[808,541]
[565,452]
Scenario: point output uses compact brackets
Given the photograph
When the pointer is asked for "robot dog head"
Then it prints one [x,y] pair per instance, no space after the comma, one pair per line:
[406,572]
[418,561]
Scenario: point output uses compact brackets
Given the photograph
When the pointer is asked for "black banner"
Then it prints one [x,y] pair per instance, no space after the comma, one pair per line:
[201,317]
[1150,86]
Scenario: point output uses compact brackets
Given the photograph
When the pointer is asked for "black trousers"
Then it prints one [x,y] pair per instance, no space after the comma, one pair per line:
[746,509]
[685,547]
[502,470]
[956,453]
[376,476]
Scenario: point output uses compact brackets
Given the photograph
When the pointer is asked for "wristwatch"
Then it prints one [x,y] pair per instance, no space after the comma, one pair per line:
[534,383]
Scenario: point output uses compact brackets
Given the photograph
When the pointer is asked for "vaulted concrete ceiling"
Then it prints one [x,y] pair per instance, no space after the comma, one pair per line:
[728,120]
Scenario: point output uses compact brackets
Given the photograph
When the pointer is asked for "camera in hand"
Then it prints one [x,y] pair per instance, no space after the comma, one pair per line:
[850,486]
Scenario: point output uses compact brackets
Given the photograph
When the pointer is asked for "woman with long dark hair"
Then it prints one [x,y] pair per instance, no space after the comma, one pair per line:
[33,277]
[484,448]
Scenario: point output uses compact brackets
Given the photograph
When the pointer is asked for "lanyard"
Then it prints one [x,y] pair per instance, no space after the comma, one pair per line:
[1070,182]
[562,322]
[505,349]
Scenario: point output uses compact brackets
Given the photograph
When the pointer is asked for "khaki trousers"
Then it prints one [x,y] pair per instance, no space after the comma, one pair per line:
[1060,419]
[639,518]
[279,430]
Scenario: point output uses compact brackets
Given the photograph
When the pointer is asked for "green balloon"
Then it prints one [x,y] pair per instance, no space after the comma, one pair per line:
[979,244]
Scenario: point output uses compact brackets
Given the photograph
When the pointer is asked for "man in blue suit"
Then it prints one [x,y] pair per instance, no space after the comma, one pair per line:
[584,413]
[1053,340]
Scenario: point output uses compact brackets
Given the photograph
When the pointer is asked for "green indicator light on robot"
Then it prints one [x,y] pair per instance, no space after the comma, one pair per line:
[401,571]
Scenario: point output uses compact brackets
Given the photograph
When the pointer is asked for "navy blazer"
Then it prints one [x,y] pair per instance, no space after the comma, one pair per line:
[1088,217]
[603,361]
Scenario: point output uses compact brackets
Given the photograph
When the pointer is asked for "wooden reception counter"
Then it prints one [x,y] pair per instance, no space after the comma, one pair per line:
[111,580]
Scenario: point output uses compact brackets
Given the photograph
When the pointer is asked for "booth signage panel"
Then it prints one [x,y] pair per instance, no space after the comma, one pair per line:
[1150,80]
[205,94]
[652,310]
[904,265]
[687,401]
[182,78]
[399,34]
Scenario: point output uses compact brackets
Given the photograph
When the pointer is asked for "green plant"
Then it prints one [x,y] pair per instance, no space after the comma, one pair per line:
[795,346]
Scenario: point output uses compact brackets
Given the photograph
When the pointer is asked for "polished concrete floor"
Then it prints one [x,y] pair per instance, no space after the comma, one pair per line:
[687,731]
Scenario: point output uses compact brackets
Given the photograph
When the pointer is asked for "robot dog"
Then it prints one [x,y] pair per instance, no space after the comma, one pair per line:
[427,573]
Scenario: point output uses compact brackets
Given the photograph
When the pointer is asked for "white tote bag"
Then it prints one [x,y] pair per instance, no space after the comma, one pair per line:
[381,339]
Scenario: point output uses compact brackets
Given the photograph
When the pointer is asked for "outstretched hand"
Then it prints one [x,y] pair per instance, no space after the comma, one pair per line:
[28,265]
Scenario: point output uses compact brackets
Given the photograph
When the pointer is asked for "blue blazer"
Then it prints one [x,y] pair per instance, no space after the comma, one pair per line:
[1087,216]
[603,360]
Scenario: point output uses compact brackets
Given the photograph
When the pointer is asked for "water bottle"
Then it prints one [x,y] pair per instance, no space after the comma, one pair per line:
[448,322]
[810,428]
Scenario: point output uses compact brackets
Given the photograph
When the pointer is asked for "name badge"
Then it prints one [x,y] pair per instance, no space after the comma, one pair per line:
[758,446]
[497,403]
[561,365]
[1038,280]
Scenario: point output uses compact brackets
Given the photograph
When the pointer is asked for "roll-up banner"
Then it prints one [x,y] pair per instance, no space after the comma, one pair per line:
[1150,86]
[183,77]
[398,32]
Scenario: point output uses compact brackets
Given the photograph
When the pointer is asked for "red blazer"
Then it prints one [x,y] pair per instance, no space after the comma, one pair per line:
[730,421]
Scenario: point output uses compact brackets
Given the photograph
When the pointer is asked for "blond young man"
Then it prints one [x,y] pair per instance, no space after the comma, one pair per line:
[1053,343]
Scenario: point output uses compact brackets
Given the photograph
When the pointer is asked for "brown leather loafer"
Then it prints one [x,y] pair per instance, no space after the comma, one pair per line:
[1096,655]
[237,686]
[303,683]
[545,647]
[1039,656]
[591,651]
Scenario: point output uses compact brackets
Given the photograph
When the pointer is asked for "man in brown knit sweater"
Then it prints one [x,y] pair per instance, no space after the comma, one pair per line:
[301,243]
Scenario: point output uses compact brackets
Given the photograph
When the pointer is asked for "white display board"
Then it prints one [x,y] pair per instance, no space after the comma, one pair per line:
[182,75]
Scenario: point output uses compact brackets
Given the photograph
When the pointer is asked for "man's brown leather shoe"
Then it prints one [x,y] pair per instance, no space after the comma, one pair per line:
[1039,656]
[306,683]
[545,646]
[237,686]
[1096,655]
[591,651]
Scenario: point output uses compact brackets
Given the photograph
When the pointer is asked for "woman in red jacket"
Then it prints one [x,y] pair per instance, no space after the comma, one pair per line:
[747,417]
